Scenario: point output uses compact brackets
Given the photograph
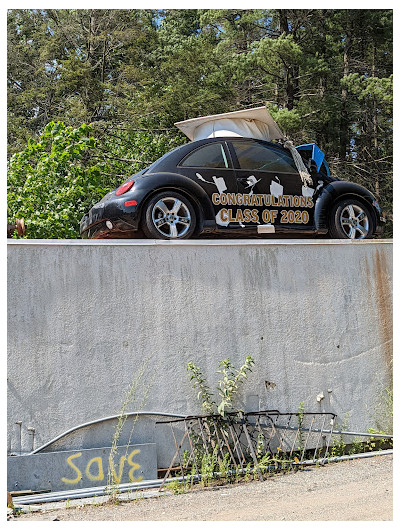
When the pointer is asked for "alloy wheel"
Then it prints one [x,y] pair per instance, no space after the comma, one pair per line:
[354,222]
[171,217]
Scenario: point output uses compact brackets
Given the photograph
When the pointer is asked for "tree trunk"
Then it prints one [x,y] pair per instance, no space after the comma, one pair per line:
[291,71]
[344,141]
[375,149]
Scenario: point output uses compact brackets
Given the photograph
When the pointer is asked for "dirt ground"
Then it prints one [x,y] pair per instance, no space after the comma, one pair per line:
[350,490]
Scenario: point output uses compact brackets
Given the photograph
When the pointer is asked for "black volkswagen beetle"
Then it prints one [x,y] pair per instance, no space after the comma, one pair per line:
[233,179]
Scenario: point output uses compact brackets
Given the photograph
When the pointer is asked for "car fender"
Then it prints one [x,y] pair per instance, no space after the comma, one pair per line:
[337,190]
[149,184]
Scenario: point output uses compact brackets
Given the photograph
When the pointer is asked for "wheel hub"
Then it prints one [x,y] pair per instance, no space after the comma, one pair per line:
[354,222]
[171,217]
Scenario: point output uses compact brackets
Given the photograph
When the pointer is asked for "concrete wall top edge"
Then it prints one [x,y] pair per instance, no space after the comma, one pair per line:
[191,243]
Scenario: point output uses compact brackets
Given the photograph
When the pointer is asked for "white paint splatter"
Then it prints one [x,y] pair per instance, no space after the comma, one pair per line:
[220,221]
[252,181]
[218,181]
[276,188]
[220,184]
[307,191]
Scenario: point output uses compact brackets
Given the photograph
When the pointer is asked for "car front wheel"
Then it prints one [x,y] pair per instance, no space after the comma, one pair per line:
[351,219]
[169,216]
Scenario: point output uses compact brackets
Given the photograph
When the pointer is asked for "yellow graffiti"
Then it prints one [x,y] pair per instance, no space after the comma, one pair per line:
[78,472]
[134,466]
[100,474]
[120,468]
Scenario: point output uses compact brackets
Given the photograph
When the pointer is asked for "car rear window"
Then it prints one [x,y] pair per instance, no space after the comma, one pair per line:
[255,156]
[208,156]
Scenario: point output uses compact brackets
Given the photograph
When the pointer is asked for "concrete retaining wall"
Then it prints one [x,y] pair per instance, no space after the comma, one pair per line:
[57,471]
[316,316]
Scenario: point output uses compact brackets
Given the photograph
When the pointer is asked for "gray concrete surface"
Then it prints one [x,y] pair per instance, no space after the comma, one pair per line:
[316,315]
[57,471]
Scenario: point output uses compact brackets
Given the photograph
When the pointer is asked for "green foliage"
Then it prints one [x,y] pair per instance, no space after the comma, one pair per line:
[338,442]
[208,467]
[228,387]
[204,394]
[384,411]
[247,471]
[232,379]
[136,387]
[289,121]
[176,487]
[51,183]
[340,446]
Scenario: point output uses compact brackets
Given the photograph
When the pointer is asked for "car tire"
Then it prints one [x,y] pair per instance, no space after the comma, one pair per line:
[169,216]
[351,219]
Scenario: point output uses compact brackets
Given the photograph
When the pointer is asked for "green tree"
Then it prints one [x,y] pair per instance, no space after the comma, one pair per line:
[52,182]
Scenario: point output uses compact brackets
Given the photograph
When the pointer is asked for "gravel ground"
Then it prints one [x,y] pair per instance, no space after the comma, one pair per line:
[361,489]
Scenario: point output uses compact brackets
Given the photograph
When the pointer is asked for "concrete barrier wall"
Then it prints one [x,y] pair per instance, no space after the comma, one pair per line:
[60,470]
[316,316]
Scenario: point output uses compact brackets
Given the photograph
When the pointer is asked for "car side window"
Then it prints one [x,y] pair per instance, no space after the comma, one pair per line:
[208,156]
[255,156]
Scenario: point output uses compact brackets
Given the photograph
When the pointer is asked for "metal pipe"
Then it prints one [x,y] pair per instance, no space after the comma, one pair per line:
[97,421]
[337,432]
[344,457]
[31,432]
[276,412]
[89,492]
[19,424]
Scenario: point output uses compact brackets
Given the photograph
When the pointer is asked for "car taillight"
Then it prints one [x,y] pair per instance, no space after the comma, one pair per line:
[124,187]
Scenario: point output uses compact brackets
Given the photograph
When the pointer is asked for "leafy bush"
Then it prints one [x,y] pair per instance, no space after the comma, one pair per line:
[52,182]
[228,387]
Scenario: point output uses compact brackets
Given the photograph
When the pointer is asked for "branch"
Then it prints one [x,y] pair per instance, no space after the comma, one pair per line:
[270,73]
[310,113]
[131,161]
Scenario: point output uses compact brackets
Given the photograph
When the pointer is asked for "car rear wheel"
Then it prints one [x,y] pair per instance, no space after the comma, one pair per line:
[351,219]
[169,216]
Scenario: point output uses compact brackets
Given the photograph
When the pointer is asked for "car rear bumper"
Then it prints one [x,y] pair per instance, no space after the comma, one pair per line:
[110,217]
[112,229]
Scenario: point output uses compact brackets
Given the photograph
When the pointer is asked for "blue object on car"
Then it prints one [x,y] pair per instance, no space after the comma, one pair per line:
[316,154]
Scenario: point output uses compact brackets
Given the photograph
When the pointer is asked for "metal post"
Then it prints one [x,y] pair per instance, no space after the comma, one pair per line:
[253,455]
[32,434]
[19,423]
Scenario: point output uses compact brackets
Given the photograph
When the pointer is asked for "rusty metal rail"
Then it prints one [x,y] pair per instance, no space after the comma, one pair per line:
[260,438]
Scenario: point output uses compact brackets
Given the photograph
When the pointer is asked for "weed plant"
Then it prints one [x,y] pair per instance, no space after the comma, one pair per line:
[136,387]
[228,387]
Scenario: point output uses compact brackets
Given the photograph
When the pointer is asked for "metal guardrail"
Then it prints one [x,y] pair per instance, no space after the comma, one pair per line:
[239,438]
[265,439]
